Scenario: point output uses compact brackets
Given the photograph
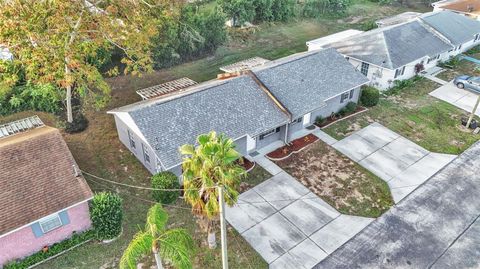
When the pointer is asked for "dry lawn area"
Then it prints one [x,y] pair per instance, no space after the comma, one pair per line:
[339,181]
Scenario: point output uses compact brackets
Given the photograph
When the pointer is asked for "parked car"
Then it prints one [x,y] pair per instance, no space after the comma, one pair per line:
[468,82]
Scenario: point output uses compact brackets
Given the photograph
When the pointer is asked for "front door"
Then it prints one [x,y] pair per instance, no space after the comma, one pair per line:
[306,119]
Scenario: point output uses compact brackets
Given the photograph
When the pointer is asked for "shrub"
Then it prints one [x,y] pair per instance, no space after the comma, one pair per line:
[320,120]
[107,215]
[79,124]
[370,96]
[38,97]
[165,180]
[350,107]
[76,239]
[368,25]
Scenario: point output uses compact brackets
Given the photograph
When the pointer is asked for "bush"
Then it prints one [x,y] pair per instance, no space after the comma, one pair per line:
[320,120]
[45,98]
[318,8]
[370,96]
[165,180]
[107,215]
[52,250]
[350,108]
[79,124]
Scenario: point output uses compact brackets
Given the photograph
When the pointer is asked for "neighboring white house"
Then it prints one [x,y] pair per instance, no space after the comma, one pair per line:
[469,8]
[397,19]
[269,103]
[400,51]
[320,43]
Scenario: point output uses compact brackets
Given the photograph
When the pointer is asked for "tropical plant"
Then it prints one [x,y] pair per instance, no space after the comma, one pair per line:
[107,215]
[55,41]
[210,165]
[165,180]
[174,245]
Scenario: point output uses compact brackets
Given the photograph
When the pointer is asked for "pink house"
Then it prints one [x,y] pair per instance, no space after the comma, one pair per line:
[43,196]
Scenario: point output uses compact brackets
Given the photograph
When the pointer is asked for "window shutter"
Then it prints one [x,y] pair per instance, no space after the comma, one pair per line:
[64,217]
[37,230]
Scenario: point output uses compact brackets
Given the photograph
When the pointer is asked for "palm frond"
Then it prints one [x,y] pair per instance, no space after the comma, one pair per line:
[177,246]
[140,245]
[157,218]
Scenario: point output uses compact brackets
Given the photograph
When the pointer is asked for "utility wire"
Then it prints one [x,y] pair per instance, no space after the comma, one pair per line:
[138,187]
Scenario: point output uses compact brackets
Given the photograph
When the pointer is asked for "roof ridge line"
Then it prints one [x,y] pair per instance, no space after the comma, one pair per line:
[387,50]
[270,95]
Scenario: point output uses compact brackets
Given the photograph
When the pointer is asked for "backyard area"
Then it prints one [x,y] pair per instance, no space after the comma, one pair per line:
[411,112]
[339,181]
[111,160]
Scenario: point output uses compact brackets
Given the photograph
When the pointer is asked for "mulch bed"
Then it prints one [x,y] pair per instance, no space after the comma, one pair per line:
[334,118]
[294,146]
[246,163]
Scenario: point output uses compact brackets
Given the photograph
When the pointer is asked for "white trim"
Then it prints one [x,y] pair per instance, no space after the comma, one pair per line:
[28,224]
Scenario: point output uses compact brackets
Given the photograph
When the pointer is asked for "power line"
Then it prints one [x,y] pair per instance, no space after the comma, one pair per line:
[145,200]
[139,187]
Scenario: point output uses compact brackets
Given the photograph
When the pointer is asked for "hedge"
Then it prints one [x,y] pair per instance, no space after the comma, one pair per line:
[67,244]
[165,180]
[107,215]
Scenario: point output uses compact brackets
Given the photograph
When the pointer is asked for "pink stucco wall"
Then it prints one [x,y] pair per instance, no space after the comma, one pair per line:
[23,242]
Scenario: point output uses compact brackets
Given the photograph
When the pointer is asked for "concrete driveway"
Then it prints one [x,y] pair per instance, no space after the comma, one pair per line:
[462,99]
[289,226]
[403,164]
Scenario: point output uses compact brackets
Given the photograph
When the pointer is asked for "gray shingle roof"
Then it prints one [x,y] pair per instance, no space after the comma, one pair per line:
[436,226]
[393,47]
[457,28]
[235,107]
[304,81]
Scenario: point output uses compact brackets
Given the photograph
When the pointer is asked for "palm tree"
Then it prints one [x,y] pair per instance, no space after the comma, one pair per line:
[174,245]
[209,165]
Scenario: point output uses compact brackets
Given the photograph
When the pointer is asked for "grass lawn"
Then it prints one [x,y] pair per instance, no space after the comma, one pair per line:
[98,150]
[429,122]
[342,183]
[256,176]
[464,67]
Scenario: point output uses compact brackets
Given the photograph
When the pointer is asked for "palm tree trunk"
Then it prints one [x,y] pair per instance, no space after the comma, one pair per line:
[212,240]
[158,259]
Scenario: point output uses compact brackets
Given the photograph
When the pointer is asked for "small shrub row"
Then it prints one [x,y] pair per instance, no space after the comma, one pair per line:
[165,180]
[350,108]
[399,85]
[54,249]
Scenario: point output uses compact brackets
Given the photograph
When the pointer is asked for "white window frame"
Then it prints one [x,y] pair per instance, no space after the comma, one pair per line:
[46,219]
[146,156]
[344,97]
[351,93]
[477,38]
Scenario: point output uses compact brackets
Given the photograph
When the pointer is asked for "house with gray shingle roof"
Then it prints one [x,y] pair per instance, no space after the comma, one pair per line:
[400,51]
[266,104]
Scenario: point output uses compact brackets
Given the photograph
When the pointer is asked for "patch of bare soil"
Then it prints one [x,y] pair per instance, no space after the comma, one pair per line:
[338,180]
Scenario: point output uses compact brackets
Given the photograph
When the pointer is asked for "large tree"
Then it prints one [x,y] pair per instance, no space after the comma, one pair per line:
[174,245]
[207,166]
[57,41]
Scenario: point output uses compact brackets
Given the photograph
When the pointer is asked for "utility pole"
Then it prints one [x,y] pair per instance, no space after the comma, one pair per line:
[473,112]
[223,228]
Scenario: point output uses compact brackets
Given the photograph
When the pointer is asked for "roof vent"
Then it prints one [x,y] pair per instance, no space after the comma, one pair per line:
[19,126]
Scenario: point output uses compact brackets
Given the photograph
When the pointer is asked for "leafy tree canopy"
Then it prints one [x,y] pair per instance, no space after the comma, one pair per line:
[57,41]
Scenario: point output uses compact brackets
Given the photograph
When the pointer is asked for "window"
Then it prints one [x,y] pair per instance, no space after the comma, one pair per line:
[297,120]
[273,131]
[50,223]
[364,68]
[132,141]
[344,97]
[459,47]
[146,157]
[399,72]
[477,38]
[351,93]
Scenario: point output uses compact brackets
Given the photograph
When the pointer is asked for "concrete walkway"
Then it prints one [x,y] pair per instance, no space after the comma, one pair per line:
[288,225]
[401,163]
[460,98]
[435,79]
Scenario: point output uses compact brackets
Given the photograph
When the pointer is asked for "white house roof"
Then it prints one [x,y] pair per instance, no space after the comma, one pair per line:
[320,42]
[5,53]
[399,18]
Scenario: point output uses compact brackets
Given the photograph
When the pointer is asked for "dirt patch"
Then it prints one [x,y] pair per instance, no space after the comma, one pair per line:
[339,181]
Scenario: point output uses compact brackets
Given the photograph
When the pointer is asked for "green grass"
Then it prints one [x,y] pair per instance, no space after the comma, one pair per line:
[256,176]
[429,122]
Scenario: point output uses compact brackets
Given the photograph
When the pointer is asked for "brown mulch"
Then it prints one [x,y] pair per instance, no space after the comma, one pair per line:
[246,163]
[294,146]
[334,118]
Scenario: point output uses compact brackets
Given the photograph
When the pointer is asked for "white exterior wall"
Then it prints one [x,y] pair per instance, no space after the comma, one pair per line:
[123,130]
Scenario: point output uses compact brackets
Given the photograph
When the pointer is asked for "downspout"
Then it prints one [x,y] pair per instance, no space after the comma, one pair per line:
[286,133]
